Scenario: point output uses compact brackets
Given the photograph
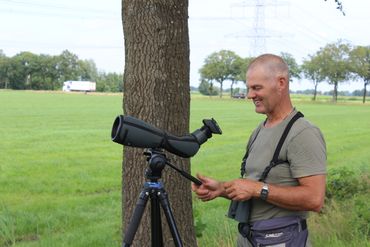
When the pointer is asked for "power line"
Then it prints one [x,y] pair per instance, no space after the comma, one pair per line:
[56,6]
[11,43]
[52,10]
[48,14]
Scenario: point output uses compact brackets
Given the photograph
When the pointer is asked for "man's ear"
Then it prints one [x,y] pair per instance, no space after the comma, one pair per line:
[282,83]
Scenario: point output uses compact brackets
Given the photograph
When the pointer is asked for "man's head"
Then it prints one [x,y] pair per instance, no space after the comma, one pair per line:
[268,84]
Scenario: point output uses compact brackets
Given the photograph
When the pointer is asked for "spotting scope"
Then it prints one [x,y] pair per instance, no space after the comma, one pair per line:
[130,131]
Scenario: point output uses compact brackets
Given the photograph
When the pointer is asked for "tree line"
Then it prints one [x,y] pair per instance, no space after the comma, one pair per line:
[335,63]
[27,70]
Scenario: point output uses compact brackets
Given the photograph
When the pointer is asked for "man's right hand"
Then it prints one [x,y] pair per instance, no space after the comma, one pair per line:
[210,188]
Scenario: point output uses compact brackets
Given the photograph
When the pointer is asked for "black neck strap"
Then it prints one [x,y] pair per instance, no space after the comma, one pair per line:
[275,159]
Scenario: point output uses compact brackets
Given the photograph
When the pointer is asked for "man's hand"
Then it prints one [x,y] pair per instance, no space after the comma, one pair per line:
[209,190]
[242,189]
[238,189]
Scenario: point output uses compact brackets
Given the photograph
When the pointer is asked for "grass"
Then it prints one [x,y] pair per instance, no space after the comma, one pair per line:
[60,175]
[59,172]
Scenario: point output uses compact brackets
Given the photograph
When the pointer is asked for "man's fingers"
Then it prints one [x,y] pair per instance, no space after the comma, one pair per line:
[202,192]
[202,178]
[203,195]
[227,185]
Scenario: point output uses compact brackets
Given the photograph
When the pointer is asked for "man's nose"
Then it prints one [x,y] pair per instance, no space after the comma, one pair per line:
[251,94]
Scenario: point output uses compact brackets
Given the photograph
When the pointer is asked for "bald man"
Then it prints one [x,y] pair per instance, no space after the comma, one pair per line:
[291,188]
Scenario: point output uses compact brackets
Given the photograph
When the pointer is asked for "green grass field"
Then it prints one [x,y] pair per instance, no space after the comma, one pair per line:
[60,175]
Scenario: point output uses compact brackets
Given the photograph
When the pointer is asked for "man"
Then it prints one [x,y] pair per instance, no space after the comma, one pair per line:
[293,187]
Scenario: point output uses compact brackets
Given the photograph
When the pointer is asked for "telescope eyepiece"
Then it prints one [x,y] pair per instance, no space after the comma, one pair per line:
[212,125]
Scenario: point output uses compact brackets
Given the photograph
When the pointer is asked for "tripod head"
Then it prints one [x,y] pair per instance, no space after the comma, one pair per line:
[157,160]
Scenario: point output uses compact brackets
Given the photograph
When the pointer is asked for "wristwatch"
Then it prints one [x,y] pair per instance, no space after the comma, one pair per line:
[264,192]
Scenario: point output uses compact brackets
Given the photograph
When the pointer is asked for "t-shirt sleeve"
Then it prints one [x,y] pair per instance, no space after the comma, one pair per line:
[307,153]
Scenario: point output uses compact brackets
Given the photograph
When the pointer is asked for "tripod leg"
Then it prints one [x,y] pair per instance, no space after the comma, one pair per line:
[156,224]
[163,199]
[136,218]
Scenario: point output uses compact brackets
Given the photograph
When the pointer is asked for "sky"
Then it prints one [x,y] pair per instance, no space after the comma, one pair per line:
[92,29]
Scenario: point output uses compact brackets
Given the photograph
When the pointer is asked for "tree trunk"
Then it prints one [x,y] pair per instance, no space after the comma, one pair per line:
[221,88]
[315,92]
[232,89]
[335,92]
[210,90]
[364,96]
[156,90]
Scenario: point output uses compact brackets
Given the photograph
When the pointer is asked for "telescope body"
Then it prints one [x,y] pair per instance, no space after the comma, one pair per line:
[130,131]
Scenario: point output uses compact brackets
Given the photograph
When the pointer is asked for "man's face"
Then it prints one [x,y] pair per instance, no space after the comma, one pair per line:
[263,90]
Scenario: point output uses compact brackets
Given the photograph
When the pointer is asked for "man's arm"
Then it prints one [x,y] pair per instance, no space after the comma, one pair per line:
[307,196]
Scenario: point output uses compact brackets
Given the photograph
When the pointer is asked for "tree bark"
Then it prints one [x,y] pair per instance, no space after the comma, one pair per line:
[156,90]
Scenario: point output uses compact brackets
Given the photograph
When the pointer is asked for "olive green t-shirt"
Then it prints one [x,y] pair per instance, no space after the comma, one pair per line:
[304,150]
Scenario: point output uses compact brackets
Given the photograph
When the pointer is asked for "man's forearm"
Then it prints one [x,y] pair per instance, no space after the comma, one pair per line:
[294,198]
[308,196]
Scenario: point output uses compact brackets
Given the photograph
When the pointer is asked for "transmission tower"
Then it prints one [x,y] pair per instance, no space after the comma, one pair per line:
[259,33]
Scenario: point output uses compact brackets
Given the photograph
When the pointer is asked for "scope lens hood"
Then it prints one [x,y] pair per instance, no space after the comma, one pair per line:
[116,129]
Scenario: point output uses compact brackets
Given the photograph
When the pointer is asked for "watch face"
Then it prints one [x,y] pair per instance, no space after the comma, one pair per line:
[264,192]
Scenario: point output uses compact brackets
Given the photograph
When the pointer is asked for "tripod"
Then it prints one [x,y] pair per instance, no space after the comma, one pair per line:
[158,196]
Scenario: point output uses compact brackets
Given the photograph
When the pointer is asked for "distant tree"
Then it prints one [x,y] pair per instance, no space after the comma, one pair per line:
[312,70]
[26,70]
[307,92]
[51,72]
[36,77]
[109,82]
[12,75]
[219,67]
[4,66]
[207,88]
[236,69]
[87,70]
[68,66]
[21,69]
[360,93]
[43,72]
[239,70]
[242,76]
[294,68]
[360,65]
[334,62]
[193,88]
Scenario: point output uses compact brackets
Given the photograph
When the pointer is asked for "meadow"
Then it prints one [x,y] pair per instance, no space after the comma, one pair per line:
[60,174]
